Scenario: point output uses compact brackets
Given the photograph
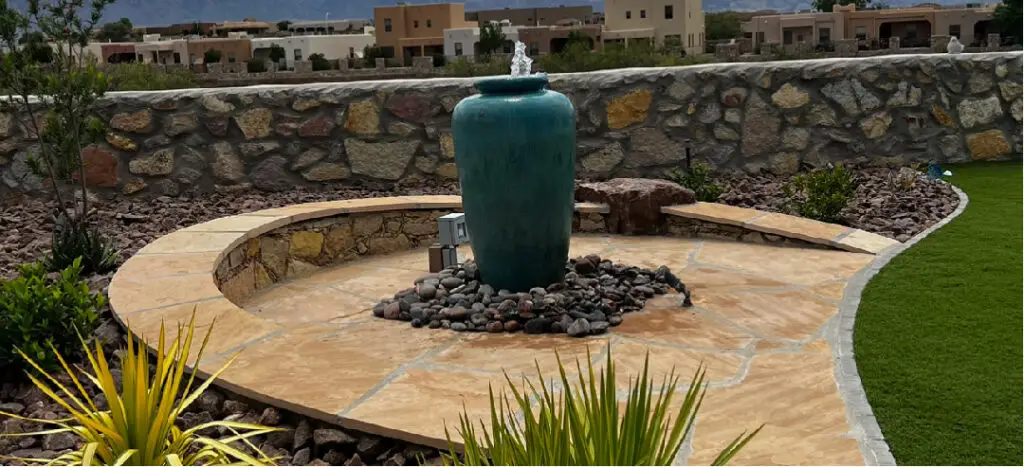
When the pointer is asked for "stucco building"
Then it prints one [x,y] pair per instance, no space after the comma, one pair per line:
[546,16]
[679,21]
[914,26]
[465,42]
[299,48]
[231,50]
[327,26]
[406,31]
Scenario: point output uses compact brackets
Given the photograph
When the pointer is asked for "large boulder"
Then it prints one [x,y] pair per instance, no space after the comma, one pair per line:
[635,203]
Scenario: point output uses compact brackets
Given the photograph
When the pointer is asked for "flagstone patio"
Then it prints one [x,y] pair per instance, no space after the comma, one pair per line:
[763,324]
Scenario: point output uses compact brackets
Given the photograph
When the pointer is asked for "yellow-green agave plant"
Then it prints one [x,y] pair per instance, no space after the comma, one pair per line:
[587,423]
[138,428]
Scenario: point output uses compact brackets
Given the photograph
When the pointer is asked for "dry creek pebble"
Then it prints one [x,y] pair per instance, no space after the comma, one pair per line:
[594,296]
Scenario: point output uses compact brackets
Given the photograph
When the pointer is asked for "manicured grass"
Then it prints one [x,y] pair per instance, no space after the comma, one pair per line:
[938,334]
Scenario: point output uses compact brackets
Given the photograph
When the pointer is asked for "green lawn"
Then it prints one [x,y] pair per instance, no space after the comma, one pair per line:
[938,334]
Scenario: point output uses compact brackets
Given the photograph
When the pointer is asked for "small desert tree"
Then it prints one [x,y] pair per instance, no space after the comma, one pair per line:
[277,53]
[491,38]
[211,56]
[56,100]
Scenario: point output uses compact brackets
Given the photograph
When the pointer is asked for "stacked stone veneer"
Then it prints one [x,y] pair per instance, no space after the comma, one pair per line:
[740,116]
[299,249]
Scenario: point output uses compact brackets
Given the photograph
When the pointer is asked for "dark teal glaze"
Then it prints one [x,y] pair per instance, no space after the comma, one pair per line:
[515,148]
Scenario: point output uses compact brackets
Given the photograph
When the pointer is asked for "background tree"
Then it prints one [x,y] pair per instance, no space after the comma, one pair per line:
[722,25]
[277,53]
[119,31]
[491,38]
[1008,18]
[283,25]
[211,56]
[196,30]
[826,5]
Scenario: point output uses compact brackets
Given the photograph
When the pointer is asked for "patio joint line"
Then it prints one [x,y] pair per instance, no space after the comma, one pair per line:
[240,347]
[187,302]
[401,370]
[859,415]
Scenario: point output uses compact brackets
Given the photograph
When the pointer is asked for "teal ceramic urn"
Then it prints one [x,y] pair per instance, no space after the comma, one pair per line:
[515,149]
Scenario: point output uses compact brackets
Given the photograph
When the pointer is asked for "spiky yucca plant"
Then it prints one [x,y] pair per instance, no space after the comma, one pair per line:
[138,428]
[583,425]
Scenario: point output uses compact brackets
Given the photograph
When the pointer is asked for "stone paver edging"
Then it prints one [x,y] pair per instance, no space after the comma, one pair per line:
[176,275]
[869,435]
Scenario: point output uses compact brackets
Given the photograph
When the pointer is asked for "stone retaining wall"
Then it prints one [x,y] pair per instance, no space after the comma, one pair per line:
[741,116]
[299,249]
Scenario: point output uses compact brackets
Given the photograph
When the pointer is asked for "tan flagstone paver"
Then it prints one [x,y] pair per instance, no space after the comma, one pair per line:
[786,314]
[713,212]
[795,397]
[183,241]
[140,267]
[794,265]
[312,345]
[795,227]
[866,242]
[128,296]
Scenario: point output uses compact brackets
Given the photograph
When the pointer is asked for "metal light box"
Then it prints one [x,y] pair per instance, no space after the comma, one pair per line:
[452,229]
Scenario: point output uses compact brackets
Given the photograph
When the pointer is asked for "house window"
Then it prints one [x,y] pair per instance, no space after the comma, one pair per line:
[298,54]
[861,33]
[177,57]
[428,23]
[689,38]
[231,57]
[824,34]
[787,37]
[629,14]
[534,48]
[458,49]
[643,13]
[387,24]
[415,23]
[351,52]
[192,59]
[668,12]
[760,37]
[954,30]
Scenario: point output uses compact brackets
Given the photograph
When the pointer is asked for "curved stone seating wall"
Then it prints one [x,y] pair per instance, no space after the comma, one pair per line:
[632,122]
[325,237]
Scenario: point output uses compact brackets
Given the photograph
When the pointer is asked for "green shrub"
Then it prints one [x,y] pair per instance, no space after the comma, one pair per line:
[483,65]
[211,56]
[37,313]
[144,77]
[78,243]
[584,424]
[822,194]
[579,57]
[320,63]
[698,179]
[255,66]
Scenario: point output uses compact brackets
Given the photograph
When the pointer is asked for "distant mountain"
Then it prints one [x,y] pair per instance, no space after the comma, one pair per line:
[162,12]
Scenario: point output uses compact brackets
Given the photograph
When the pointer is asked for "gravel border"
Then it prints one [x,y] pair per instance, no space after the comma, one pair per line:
[873,446]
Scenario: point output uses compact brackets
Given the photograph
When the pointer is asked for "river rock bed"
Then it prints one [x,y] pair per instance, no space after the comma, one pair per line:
[594,296]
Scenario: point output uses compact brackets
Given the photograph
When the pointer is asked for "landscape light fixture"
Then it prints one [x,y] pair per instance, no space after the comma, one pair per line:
[451,232]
